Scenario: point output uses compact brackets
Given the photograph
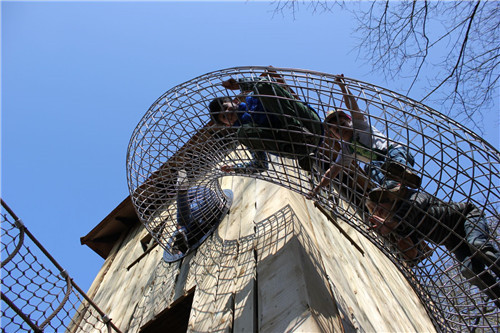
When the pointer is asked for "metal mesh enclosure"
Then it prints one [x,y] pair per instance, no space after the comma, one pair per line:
[178,146]
[37,293]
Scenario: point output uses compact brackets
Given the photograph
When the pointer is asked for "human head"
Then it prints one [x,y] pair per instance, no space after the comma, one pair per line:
[380,216]
[223,111]
[379,208]
[338,123]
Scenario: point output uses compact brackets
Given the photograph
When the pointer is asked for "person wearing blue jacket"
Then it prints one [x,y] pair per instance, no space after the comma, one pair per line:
[270,119]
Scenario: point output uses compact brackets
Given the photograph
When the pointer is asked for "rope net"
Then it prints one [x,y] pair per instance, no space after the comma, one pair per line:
[424,190]
[37,293]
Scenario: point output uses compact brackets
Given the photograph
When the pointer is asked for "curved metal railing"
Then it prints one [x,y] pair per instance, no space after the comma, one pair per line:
[455,165]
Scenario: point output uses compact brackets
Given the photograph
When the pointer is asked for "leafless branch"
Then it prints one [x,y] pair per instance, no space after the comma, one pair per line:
[456,42]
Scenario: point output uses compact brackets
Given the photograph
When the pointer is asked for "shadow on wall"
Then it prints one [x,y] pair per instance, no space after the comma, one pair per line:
[273,279]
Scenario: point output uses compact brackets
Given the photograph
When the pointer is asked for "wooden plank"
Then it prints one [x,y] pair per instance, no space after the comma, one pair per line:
[98,283]
[308,273]
[268,199]
[318,287]
[117,302]
[181,288]
[192,267]
[155,295]
[321,300]
[333,220]
[272,212]
[369,290]
[244,314]
[205,271]
[283,301]
[242,209]
[224,300]
[230,232]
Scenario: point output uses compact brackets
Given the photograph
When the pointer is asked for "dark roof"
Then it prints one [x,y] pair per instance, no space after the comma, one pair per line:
[103,237]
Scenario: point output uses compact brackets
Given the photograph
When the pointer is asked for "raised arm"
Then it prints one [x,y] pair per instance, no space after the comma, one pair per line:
[262,86]
[231,84]
[331,173]
[349,99]
[280,79]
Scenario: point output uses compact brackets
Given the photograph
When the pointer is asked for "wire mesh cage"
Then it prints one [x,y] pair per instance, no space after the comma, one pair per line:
[439,215]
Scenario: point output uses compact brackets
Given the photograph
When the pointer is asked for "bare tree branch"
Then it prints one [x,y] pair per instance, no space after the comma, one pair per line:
[459,62]
[457,42]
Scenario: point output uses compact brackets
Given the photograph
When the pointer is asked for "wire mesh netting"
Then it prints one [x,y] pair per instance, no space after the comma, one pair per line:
[37,293]
[420,186]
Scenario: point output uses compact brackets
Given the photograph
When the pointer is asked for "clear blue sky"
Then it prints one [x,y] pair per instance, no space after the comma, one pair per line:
[77,78]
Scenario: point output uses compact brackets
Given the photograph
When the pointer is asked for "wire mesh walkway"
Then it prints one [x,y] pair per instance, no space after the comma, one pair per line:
[283,142]
[38,295]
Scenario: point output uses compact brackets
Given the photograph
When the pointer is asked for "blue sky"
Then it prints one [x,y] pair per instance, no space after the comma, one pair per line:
[78,76]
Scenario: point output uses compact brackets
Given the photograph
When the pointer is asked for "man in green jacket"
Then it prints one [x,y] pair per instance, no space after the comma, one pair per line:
[271,120]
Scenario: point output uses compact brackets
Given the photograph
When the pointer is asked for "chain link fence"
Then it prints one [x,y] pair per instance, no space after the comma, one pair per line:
[37,294]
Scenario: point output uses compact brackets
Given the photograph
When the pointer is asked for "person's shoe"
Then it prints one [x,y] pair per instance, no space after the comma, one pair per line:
[182,181]
[491,254]
[490,257]
[495,266]
[383,194]
[180,241]
[402,174]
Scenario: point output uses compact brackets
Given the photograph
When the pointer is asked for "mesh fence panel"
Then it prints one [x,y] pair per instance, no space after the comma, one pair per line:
[37,293]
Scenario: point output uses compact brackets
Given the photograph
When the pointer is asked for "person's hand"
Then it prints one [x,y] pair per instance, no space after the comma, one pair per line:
[339,79]
[312,193]
[227,168]
[407,248]
[231,84]
[272,72]
[378,224]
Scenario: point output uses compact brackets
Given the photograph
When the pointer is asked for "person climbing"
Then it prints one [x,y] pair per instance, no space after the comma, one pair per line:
[271,120]
[460,227]
[386,162]
[198,211]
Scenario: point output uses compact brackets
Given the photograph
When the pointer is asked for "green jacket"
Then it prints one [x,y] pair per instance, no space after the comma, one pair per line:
[298,131]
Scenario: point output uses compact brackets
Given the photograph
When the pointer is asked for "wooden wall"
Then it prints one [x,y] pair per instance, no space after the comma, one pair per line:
[275,264]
